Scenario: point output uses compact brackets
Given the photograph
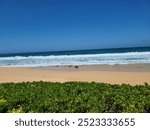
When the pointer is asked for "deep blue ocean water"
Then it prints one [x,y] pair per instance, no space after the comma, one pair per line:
[133,55]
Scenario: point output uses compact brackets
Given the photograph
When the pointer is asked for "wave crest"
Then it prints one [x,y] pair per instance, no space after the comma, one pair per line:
[85,59]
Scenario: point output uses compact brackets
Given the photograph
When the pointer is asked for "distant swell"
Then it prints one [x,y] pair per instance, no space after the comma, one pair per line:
[85,59]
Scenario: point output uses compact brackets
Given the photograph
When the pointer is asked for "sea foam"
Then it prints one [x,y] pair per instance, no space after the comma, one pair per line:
[84,59]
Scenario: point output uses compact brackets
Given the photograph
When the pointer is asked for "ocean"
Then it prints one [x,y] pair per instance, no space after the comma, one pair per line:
[132,55]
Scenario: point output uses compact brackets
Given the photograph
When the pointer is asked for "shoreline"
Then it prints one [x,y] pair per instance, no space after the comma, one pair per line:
[113,74]
[116,67]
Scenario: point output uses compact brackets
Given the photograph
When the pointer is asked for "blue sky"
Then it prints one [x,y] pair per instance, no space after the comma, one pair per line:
[50,25]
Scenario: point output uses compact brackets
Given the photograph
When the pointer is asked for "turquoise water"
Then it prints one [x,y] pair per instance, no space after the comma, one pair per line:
[134,55]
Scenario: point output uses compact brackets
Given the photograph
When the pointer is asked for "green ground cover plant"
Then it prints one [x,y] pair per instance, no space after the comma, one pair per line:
[78,97]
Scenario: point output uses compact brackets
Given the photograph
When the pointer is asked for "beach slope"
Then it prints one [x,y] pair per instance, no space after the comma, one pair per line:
[112,76]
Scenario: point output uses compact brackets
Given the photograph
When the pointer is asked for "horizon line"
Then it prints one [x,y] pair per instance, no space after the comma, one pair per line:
[9,53]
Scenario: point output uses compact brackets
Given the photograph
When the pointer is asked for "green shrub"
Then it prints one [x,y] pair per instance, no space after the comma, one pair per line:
[73,97]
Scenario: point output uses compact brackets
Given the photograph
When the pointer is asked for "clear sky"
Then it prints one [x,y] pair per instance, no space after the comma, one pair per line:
[48,25]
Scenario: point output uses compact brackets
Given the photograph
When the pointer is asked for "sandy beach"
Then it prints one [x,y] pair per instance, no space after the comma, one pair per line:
[114,74]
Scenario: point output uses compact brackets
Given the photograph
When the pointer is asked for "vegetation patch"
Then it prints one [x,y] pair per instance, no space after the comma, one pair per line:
[78,97]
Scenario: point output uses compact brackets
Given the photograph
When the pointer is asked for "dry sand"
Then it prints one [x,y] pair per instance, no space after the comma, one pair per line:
[117,74]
